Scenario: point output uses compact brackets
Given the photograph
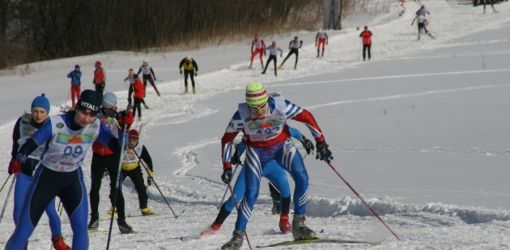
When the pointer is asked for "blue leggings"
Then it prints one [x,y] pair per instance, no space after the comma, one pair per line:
[286,155]
[272,171]
[46,185]
[23,183]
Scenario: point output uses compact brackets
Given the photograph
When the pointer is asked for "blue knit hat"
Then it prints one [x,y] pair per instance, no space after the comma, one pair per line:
[41,102]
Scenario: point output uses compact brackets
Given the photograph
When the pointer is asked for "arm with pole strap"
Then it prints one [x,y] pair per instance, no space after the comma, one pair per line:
[143,163]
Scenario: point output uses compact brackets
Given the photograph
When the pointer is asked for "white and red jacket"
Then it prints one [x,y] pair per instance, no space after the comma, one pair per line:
[267,131]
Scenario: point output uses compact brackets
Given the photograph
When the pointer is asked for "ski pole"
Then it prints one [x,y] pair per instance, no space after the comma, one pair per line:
[117,182]
[5,182]
[7,198]
[155,184]
[370,209]
[226,190]
[239,211]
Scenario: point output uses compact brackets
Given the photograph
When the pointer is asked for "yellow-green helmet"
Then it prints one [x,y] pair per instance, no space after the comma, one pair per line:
[256,94]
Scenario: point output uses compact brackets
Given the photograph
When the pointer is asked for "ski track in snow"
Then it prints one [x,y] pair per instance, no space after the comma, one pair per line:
[426,226]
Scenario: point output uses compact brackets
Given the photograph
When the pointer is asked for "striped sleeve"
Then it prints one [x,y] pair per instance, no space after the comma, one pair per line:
[294,112]
[235,126]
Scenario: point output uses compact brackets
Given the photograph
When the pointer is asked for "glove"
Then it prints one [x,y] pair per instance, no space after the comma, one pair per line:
[196,73]
[150,173]
[226,177]
[308,145]
[180,72]
[323,152]
[149,181]
[14,167]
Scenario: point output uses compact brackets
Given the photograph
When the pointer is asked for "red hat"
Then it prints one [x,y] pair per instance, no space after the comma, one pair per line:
[98,63]
[133,134]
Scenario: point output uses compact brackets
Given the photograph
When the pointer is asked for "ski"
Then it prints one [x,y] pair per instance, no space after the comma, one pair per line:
[318,241]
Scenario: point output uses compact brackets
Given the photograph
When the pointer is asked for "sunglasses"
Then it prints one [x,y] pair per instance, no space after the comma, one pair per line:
[89,113]
[259,107]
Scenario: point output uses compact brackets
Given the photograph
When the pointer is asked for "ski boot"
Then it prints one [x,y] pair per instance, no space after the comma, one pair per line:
[300,231]
[211,230]
[285,226]
[94,222]
[124,228]
[236,242]
[146,211]
[59,244]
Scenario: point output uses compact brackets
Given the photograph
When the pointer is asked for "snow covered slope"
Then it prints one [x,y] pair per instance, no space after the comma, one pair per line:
[421,131]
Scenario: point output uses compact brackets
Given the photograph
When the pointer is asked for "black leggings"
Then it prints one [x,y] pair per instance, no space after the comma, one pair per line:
[191,75]
[292,51]
[136,176]
[99,88]
[366,47]
[138,107]
[271,58]
[100,164]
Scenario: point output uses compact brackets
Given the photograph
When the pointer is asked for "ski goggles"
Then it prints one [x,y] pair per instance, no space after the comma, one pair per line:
[259,107]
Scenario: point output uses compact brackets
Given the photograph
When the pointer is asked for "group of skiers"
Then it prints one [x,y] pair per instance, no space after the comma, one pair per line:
[46,161]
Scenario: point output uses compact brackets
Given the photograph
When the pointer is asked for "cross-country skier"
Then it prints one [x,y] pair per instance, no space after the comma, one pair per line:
[131,168]
[190,67]
[75,77]
[276,176]
[67,138]
[366,39]
[422,22]
[263,121]
[25,126]
[130,79]
[99,77]
[105,158]
[294,46]
[257,47]
[273,53]
[139,95]
[321,40]
[148,75]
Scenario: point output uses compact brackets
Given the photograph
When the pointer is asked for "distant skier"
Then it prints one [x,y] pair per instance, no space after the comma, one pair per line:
[321,40]
[294,46]
[99,77]
[190,67]
[130,79]
[75,77]
[257,47]
[139,94]
[148,75]
[106,158]
[26,126]
[275,174]
[67,138]
[422,22]
[131,168]
[263,120]
[273,53]
[366,36]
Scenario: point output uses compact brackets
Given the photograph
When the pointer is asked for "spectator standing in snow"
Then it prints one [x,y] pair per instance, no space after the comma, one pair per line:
[99,78]
[294,47]
[257,47]
[366,38]
[75,77]
[273,53]
[321,39]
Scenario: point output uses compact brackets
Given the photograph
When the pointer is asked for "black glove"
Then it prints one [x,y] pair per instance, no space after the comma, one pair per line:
[196,73]
[149,181]
[226,177]
[323,152]
[180,72]
[308,145]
